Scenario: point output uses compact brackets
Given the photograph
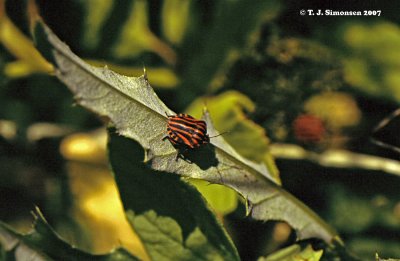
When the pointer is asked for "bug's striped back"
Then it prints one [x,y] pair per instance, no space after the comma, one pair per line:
[183,129]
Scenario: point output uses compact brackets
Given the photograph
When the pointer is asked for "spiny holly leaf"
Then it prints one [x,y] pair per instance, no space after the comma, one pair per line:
[160,208]
[136,111]
[44,244]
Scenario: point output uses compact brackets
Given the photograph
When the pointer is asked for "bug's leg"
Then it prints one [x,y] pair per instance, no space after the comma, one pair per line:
[182,155]
[188,160]
[178,155]
[185,159]
[166,137]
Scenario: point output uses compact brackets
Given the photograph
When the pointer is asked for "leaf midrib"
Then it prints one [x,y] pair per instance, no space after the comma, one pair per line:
[95,76]
[111,86]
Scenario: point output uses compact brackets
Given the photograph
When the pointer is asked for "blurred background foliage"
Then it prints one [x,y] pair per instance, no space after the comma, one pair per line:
[284,85]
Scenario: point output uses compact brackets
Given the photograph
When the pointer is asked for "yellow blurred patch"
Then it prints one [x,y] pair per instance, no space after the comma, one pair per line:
[97,13]
[29,59]
[281,232]
[8,129]
[96,203]
[85,147]
[338,110]
[136,37]
[175,14]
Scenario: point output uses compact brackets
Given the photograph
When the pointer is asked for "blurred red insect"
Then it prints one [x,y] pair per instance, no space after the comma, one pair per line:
[308,128]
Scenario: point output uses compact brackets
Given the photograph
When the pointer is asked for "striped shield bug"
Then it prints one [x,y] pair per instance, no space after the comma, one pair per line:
[186,132]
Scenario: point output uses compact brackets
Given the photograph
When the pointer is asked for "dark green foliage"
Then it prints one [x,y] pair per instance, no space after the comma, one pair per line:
[282,75]
[143,190]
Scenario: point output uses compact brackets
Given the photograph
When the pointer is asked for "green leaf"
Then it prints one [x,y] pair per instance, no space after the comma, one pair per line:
[168,214]
[372,63]
[162,237]
[137,37]
[294,252]
[136,111]
[96,14]
[44,244]
[222,199]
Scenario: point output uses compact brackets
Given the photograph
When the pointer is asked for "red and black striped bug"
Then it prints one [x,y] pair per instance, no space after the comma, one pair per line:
[186,132]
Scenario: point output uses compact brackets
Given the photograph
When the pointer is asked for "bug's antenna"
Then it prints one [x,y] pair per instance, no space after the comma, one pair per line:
[225,132]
